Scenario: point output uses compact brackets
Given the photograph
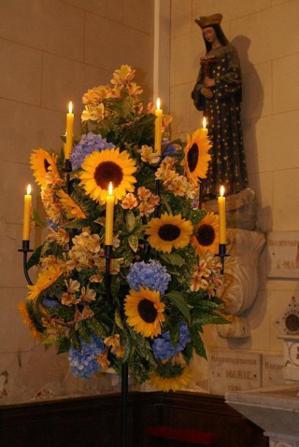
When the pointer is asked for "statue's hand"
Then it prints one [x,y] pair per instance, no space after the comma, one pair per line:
[209,82]
[206,92]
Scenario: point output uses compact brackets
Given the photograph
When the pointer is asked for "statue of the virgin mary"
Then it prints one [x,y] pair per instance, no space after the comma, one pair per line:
[218,93]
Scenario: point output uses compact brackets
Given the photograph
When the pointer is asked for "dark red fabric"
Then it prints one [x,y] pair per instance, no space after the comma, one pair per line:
[187,435]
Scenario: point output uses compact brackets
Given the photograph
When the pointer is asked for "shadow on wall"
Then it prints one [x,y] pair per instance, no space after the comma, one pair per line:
[253,101]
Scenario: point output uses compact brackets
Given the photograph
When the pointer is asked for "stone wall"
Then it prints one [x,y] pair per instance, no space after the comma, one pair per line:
[266,34]
[50,52]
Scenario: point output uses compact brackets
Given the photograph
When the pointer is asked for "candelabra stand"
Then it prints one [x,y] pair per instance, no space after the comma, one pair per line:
[25,250]
[68,170]
[200,192]
[222,255]
[124,368]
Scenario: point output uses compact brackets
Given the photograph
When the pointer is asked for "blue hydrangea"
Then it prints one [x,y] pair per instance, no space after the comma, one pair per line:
[53,225]
[170,149]
[50,302]
[151,275]
[163,347]
[88,144]
[83,362]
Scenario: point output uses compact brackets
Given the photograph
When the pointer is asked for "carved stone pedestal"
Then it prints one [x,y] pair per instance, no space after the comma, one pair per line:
[240,279]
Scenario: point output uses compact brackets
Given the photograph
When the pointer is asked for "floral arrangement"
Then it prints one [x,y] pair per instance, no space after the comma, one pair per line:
[165,275]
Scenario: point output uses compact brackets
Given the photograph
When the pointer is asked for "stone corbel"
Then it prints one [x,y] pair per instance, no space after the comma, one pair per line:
[240,280]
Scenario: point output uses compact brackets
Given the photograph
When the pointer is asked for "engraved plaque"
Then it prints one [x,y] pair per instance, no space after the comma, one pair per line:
[284,254]
[233,371]
[273,369]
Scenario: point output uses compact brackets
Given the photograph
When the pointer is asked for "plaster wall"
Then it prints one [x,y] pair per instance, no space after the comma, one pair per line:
[266,35]
[51,52]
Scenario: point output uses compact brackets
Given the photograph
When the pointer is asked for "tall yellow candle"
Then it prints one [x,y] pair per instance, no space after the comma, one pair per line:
[69,132]
[109,216]
[27,214]
[204,129]
[222,216]
[158,126]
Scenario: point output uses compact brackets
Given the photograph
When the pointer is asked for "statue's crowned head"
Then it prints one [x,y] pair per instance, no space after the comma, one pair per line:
[211,30]
[204,21]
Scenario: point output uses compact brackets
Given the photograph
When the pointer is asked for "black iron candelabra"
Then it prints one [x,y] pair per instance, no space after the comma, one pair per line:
[124,368]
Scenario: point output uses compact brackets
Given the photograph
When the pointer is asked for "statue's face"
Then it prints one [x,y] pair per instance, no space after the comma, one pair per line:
[209,34]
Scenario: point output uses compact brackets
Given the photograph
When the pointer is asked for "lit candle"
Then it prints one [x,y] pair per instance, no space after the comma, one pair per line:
[109,215]
[204,126]
[158,126]
[222,216]
[27,214]
[69,132]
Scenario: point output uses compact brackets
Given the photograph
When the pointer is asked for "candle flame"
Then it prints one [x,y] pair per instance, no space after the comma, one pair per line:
[222,190]
[204,122]
[158,103]
[28,189]
[70,107]
[110,188]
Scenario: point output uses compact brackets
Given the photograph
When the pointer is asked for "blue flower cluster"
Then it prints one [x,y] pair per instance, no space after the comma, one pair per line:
[163,347]
[83,362]
[50,302]
[88,144]
[151,275]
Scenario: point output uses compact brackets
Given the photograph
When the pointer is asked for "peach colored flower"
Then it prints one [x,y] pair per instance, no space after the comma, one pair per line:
[113,342]
[148,155]
[129,202]
[103,361]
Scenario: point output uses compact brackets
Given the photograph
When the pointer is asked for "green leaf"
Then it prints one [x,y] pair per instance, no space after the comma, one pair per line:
[174,334]
[38,220]
[206,318]
[133,242]
[177,299]
[187,353]
[198,344]
[173,259]
[35,257]
[64,345]
[118,320]
[130,221]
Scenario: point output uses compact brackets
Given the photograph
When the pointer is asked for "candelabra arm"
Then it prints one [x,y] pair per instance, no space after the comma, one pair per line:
[25,250]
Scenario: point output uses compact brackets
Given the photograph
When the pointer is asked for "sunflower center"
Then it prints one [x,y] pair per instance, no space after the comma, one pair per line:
[107,172]
[205,234]
[46,165]
[147,310]
[192,157]
[169,232]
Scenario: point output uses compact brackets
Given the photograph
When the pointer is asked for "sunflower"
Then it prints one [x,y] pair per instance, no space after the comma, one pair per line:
[101,168]
[145,311]
[69,206]
[42,163]
[206,234]
[197,155]
[168,232]
[27,320]
[46,277]
[172,383]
